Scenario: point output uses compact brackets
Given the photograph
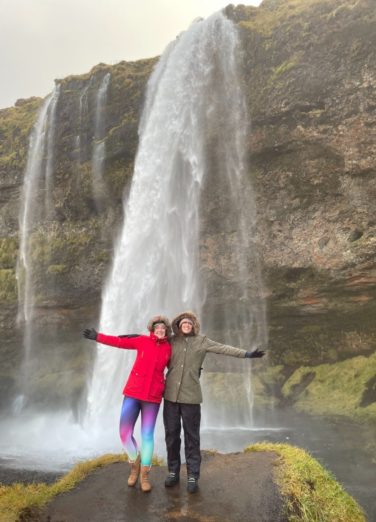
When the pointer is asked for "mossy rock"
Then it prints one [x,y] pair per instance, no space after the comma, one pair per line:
[311,492]
[8,285]
[8,252]
[15,126]
[346,388]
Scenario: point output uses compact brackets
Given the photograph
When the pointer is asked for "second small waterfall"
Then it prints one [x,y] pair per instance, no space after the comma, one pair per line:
[192,145]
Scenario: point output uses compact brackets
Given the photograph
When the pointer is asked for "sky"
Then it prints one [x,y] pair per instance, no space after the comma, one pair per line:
[41,40]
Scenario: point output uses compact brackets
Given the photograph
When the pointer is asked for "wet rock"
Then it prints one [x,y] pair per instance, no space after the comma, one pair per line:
[355,234]
[232,487]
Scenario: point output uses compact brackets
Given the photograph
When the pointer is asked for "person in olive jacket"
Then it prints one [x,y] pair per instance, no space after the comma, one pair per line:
[183,396]
[143,391]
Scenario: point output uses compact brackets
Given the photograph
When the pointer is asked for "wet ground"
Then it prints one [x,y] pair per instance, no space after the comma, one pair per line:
[233,487]
[345,448]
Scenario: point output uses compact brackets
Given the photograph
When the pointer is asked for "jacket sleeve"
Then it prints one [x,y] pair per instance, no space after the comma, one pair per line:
[223,349]
[132,343]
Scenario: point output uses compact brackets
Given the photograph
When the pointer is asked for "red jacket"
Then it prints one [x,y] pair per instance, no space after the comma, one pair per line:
[146,381]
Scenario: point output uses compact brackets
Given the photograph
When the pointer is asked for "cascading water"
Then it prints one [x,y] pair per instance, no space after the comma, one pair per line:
[174,252]
[99,145]
[194,109]
[81,140]
[35,210]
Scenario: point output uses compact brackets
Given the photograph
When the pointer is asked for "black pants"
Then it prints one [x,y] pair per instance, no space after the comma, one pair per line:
[191,417]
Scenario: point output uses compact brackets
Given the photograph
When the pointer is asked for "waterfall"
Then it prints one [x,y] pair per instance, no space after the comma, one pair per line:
[36,208]
[192,142]
[188,242]
[99,145]
[81,139]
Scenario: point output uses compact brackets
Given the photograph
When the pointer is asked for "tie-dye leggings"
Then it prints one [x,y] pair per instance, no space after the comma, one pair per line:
[130,411]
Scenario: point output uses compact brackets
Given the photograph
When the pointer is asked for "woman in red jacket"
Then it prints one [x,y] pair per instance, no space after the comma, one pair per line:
[142,393]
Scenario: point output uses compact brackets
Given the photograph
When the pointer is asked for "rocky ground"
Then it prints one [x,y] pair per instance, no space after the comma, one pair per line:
[233,487]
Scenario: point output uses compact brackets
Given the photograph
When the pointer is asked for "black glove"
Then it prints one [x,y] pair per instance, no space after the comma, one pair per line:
[255,353]
[90,333]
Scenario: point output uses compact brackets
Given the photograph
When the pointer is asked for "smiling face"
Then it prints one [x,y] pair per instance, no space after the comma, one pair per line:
[186,326]
[159,330]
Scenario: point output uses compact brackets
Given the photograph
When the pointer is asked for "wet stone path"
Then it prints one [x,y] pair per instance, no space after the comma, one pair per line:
[233,487]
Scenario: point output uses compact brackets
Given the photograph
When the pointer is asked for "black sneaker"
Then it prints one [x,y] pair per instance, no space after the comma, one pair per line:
[171,480]
[192,485]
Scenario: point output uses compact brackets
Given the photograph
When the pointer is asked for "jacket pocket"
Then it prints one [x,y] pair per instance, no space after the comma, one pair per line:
[136,381]
[157,388]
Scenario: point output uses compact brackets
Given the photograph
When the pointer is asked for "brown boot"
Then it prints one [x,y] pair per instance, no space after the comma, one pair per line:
[145,483]
[135,471]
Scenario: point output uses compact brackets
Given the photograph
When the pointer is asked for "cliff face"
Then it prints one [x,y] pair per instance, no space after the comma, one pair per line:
[71,251]
[309,71]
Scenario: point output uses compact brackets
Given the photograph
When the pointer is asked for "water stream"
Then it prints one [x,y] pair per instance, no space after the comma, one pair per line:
[99,144]
[193,127]
[36,209]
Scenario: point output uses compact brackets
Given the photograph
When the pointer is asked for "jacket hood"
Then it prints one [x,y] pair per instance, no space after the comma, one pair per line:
[188,315]
[160,319]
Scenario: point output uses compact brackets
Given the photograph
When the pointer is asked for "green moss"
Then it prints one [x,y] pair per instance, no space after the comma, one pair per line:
[118,176]
[57,269]
[282,68]
[270,15]
[311,492]
[15,126]
[8,285]
[60,246]
[20,502]
[225,387]
[104,256]
[336,389]
[8,252]
[266,382]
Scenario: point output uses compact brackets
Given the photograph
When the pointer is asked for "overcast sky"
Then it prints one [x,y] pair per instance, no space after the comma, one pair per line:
[41,40]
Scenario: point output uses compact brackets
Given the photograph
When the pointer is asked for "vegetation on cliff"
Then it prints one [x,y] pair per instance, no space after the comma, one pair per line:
[20,502]
[312,494]
[347,388]
[15,126]
[309,74]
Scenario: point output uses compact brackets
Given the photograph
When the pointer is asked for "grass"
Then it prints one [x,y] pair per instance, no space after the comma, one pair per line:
[312,494]
[18,499]
[337,389]
[265,19]
[8,285]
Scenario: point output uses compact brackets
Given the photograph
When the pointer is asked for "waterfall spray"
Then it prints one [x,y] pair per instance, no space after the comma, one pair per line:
[36,208]
[99,145]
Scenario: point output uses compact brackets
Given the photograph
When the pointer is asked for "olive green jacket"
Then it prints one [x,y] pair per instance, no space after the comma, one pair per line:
[188,354]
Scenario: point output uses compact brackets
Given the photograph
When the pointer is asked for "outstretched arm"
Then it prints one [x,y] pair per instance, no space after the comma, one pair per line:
[224,349]
[130,342]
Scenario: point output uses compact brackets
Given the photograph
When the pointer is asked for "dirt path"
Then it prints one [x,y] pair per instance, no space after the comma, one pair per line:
[233,487]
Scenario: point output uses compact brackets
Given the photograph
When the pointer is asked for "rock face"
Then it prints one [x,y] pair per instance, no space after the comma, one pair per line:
[309,71]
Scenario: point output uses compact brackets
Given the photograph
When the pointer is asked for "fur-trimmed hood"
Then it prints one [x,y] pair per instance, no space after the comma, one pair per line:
[188,315]
[160,319]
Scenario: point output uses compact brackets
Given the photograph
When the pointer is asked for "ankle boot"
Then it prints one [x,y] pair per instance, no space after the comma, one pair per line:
[135,471]
[145,483]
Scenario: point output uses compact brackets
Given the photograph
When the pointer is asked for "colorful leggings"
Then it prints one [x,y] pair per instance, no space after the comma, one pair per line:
[130,411]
